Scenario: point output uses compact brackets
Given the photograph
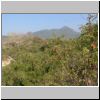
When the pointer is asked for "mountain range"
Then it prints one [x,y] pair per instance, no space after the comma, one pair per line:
[64,31]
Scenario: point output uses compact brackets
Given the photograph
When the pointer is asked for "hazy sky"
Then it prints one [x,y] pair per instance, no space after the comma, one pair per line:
[22,23]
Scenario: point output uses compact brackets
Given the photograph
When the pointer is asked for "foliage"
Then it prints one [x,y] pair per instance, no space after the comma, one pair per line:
[56,61]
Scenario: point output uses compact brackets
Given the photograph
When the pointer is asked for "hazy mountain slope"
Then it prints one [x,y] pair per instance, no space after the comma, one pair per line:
[64,31]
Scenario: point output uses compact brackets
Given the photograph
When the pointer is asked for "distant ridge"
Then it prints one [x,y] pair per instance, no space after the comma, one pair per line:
[64,31]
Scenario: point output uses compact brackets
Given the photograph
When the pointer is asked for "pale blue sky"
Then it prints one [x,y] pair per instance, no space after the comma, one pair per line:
[23,23]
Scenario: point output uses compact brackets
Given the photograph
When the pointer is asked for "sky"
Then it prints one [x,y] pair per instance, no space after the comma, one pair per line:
[23,23]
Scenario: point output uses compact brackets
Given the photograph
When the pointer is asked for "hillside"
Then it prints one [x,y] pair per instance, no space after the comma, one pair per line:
[65,31]
[51,62]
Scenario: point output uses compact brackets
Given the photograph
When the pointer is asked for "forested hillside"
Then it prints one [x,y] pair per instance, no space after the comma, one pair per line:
[52,62]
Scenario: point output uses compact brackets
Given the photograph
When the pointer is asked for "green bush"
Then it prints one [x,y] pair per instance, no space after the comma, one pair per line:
[56,61]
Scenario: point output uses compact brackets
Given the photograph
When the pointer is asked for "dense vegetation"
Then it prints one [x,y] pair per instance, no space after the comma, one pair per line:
[53,62]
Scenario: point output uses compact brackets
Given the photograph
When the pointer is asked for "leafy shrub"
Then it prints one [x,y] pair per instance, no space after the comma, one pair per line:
[55,61]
